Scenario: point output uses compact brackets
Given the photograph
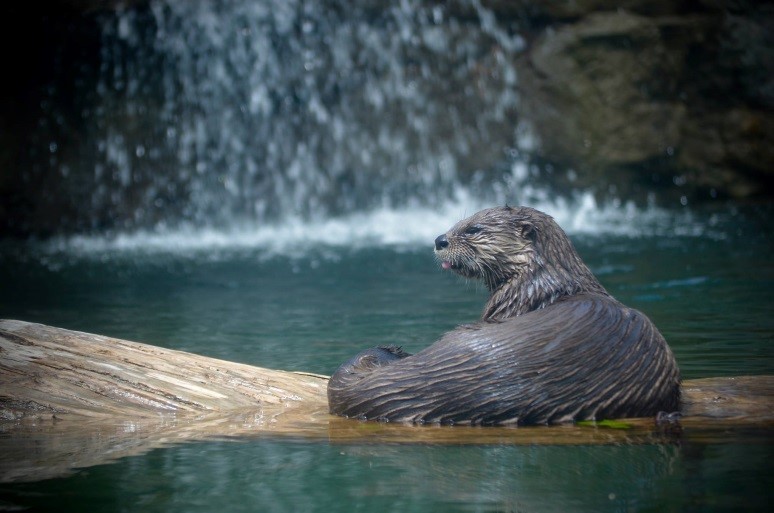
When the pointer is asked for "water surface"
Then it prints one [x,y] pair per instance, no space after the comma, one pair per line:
[312,305]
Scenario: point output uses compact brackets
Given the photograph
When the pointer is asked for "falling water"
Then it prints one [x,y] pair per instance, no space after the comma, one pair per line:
[242,122]
[226,111]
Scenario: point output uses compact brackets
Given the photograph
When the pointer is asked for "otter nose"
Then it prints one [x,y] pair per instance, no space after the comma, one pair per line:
[441,242]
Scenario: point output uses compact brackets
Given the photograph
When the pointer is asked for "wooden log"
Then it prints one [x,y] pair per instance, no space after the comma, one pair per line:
[47,370]
[70,399]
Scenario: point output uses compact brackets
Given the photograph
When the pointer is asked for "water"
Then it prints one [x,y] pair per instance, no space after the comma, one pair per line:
[276,476]
[310,306]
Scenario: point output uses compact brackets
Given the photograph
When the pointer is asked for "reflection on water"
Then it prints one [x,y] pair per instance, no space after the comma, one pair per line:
[266,475]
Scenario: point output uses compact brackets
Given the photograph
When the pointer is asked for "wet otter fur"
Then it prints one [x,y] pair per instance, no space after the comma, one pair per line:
[552,345]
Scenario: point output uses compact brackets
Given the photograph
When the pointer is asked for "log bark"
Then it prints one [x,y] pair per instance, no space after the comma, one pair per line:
[70,399]
[47,370]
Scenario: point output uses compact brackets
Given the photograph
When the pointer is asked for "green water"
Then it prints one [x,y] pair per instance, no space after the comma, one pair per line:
[265,475]
[710,294]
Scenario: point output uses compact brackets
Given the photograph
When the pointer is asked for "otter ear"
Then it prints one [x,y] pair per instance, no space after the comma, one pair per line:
[527,230]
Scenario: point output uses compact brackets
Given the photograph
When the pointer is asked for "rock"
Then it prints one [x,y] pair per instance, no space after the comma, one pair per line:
[626,98]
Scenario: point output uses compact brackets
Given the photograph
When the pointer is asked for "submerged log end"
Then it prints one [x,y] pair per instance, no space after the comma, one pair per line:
[748,398]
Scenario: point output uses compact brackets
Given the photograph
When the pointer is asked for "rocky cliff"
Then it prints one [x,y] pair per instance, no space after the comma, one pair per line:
[651,95]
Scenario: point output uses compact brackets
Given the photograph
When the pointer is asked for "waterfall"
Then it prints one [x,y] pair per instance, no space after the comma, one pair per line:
[216,112]
[263,123]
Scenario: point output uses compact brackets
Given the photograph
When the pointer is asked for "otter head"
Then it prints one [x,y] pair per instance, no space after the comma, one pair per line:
[493,245]
[522,256]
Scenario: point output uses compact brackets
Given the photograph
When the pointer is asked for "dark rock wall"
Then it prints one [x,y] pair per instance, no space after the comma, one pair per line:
[636,96]
[50,53]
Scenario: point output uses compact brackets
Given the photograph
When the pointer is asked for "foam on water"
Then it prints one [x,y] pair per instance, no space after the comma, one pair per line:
[407,228]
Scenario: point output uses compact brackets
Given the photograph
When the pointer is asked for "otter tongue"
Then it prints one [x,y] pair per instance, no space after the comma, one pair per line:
[446,264]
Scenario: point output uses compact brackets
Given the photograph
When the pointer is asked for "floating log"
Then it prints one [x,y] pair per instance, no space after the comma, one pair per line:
[70,399]
[47,370]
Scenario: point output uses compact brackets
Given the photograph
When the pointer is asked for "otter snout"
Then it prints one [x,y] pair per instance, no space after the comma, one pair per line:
[441,242]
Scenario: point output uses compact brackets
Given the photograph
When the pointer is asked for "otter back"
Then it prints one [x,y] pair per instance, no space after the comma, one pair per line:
[584,357]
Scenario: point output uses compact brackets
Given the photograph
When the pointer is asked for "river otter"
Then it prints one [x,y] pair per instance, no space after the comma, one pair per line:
[552,346]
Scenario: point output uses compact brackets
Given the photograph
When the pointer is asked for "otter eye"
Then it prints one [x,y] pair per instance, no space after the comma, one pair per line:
[472,230]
